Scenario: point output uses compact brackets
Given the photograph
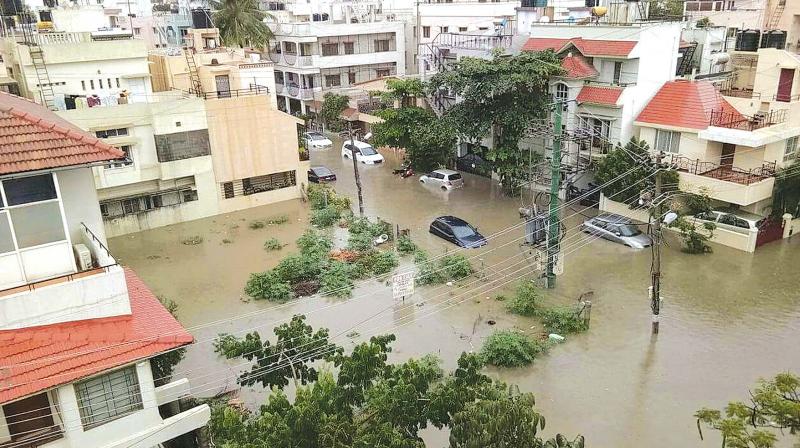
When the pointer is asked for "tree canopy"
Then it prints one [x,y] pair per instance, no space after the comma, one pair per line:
[786,197]
[774,405]
[404,90]
[429,141]
[500,98]
[241,23]
[370,402]
[333,105]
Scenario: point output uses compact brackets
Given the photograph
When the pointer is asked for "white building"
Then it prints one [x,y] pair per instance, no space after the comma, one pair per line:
[77,330]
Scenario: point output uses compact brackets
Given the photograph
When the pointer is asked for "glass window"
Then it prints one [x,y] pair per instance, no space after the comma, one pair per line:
[382,45]
[103,398]
[617,72]
[25,190]
[426,31]
[6,241]
[562,92]
[126,162]
[463,231]
[790,151]
[333,80]
[330,49]
[348,48]
[38,224]
[667,141]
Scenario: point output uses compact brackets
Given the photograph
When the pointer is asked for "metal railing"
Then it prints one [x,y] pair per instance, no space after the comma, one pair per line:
[726,173]
[473,41]
[94,238]
[735,120]
[254,89]
[304,61]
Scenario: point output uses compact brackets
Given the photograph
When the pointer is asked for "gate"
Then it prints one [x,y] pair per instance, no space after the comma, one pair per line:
[770,230]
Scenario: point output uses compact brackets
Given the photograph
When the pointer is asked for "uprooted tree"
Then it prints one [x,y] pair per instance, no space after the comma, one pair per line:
[499,98]
[369,402]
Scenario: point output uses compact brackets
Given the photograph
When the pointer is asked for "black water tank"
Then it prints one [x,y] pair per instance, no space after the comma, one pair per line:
[592,3]
[12,7]
[748,40]
[773,39]
[201,18]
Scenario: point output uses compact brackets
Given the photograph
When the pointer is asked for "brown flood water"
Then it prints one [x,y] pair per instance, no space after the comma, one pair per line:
[728,319]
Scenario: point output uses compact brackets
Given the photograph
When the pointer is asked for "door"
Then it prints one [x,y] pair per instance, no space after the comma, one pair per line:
[785,85]
[726,159]
[28,417]
[223,86]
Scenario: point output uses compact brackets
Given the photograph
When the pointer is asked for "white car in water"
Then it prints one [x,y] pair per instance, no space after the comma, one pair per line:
[365,153]
[315,140]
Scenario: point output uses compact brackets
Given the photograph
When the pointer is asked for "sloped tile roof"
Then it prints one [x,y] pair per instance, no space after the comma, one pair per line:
[685,104]
[34,138]
[607,96]
[39,358]
[587,47]
[577,67]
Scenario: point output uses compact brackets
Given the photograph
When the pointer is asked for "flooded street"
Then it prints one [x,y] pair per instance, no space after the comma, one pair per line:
[728,318]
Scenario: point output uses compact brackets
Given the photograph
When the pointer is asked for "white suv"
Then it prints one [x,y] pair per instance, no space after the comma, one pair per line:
[444,179]
[365,153]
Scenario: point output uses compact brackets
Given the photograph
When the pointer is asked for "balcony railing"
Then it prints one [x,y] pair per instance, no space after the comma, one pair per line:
[305,61]
[254,89]
[733,120]
[724,172]
[472,41]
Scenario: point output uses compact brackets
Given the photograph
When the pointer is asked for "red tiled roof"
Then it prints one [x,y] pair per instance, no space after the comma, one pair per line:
[685,104]
[34,138]
[587,47]
[38,358]
[577,67]
[599,95]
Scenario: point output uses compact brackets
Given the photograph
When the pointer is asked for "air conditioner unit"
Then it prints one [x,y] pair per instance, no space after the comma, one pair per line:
[83,257]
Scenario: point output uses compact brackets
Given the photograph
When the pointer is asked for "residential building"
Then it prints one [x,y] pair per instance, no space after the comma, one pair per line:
[727,146]
[784,15]
[202,134]
[77,330]
[741,14]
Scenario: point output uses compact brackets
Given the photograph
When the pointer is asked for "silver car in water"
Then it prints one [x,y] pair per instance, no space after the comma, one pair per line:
[618,229]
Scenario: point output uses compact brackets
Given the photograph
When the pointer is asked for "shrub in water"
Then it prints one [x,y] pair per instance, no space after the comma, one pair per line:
[325,217]
[563,320]
[313,243]
[526,301]
[335,280]
[509,348]
[405,246]
[322,196]
[268,286]
[359,242]
[379,262]
[427,272]
[455,267]
[298,268]
[273,244]
[257,224]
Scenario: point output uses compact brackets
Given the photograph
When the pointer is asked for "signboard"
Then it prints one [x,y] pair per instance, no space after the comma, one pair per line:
[403,285]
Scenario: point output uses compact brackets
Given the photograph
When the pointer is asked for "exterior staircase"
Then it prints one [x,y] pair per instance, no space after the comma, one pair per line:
[196,86]
[39,66]
[685,66]
[775,18]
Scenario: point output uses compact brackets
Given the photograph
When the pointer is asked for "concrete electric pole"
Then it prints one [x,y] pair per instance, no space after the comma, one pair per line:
[354,156]
[655,287]
[555,186]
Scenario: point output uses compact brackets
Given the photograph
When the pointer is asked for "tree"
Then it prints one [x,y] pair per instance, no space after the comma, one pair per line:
[404,90]
[429,141]
[666,9]
[786,197]
[620,161]
[241,23]
[370,402]
[500,98]
[332,107]
[774,404]
[164,364]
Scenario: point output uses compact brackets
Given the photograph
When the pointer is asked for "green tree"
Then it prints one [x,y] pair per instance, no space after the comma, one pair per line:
[369,403]
[241,23]
[620,161]
[499,98]
[428,140]
[404,90]
[666,9]
[786,197]
[333,105]
[164,364]
[774,405]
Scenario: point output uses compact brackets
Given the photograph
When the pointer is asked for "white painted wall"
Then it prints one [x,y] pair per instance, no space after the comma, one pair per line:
[79,196]
[79,18]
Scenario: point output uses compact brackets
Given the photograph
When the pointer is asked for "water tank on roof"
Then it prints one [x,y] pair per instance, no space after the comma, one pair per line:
[592,3]
[201,18]
[773,39]
[747,40]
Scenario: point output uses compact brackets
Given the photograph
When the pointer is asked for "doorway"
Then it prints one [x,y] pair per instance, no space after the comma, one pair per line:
[726,159]
[223,86]
[785,85]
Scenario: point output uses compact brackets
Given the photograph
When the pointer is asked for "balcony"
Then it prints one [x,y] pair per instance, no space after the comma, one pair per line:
[167,429]
[738,121]
[254,89]
[725,182]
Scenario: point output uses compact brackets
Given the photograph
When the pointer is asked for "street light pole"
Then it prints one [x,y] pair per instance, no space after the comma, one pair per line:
[555,181]
[655,288]
[355,169]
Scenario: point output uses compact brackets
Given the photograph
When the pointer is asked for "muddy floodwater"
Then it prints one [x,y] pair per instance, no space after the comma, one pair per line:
[728,318]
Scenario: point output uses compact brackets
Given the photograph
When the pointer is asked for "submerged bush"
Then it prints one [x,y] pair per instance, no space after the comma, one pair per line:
[314,243]
[455,267]
[509,348]
[427,271]
[526,300]
[322,196]
[563,320]
[273,244]
[268,286]
[298,268]
[325,217]
[405,246]
[359,242]
[335,281]
[376,262]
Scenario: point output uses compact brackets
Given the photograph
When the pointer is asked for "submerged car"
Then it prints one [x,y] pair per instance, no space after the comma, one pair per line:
[365,153]
[457,231]
[618,229]
[315,140]
[319,174]
[444,179]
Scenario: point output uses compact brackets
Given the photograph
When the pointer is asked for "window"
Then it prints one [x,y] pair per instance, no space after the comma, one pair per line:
[330,49]
[116,208]
[31,420]
[351,78]
[26,190]
[182,145]
[349,48]
[617,72]
[227,189]
[381,45]
[91,84]
[83,85]
[33,209]
[137,31]
[109,82]
[445,29]
[118,83]
[128,161]
[333,80]
[109,133]
[562,92]
[106,397]
[790,151]
[382,72]
[462,29]
[101,83]
[483,28]
[426,31]
[667,141]
[259,184]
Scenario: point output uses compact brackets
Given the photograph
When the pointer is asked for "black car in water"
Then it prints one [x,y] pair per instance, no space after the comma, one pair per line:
[319,174]
[457,231]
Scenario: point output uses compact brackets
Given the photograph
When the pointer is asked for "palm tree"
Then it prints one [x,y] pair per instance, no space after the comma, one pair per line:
[241,23]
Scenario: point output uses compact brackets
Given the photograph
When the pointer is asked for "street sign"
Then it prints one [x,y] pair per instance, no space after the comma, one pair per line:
[403,285]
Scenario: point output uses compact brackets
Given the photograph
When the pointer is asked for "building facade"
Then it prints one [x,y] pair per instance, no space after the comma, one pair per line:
[77,330]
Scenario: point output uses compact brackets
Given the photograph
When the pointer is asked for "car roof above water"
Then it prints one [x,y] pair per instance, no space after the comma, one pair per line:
[452,220]
[446,172]
[612,218]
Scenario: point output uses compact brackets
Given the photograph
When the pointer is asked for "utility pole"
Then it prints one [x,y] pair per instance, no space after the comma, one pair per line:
[354,156]
[555,181]
[655,288]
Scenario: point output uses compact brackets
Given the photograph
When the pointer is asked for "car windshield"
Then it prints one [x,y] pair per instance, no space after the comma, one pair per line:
[367,151]
[315,136]
[322,171]
[629,230]
[455,176]
[463,231]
